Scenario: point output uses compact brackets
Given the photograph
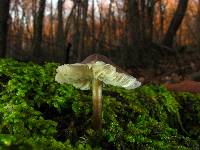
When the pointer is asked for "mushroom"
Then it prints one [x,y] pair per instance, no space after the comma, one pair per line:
[92,72]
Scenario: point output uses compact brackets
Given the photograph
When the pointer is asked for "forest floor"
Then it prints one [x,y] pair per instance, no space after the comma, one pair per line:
[171,69]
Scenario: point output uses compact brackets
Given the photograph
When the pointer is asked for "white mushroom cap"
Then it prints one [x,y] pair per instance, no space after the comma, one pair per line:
[81,75]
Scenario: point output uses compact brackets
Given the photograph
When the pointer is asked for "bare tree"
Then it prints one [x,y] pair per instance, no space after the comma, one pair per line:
[149,20]
[175,23]
[198,27]
[38,28]
[100,34]
[162,8]
[133,23]
[93,27]
[109,28]
[60,41]
[134,35]
[51,23]
[4,15]
[84,28]
[76,31]
[69,20]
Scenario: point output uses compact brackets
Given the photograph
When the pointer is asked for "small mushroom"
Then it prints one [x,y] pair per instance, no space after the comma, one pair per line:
[92,72]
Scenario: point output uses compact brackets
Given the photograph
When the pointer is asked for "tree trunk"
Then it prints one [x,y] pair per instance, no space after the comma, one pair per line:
[175,23]
[51,23]
[69,20]
[133,23]
[84,30]
[100,33]
[198,27]
[134,33]
[38,28]
[60,41]
[4,15]
[150,18]
[76,33]
[143,19]
[93,27]
[162,12]
[110,24]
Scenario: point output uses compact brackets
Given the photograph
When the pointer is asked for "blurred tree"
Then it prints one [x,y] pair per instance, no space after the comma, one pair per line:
[127,30]
[149,20]
[93,27]
[4,16]
[175,23]
[38,28]
[84,29]
[51,23]
[100,33]
[134,34]
[140,29]
[134,24]
[198,26]
[60,38]
[162,8]
[76,31]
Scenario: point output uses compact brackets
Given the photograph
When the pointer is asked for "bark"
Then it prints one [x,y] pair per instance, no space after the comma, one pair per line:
[143,20]
[133,23]
[76,33]
[69,20]
[135,45]
[198,27]
[101,34]
[175,23]
[60,41]
[93,27]
[162,11]
[38,28]
[146,15]
[4,16]
[150,18]
[84,29]
[68,23]
[110,24]
[51,23]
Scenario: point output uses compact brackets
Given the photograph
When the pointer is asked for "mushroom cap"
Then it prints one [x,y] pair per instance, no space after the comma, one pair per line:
[80,75]
[98,57]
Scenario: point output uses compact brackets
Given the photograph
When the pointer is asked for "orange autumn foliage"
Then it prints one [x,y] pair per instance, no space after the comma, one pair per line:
[184,86]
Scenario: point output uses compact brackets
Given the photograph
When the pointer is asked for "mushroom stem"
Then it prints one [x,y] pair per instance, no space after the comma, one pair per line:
[97,103]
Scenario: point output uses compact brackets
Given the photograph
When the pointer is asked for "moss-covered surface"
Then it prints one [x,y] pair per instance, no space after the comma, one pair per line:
[38,113]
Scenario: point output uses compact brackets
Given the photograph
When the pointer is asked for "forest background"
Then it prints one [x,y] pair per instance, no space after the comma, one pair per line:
[139,35]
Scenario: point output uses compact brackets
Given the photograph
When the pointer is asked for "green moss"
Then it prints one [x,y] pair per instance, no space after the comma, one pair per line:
[38,113]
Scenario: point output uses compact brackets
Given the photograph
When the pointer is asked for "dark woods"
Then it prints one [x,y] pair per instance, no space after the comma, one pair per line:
[131,33]
[4,15]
